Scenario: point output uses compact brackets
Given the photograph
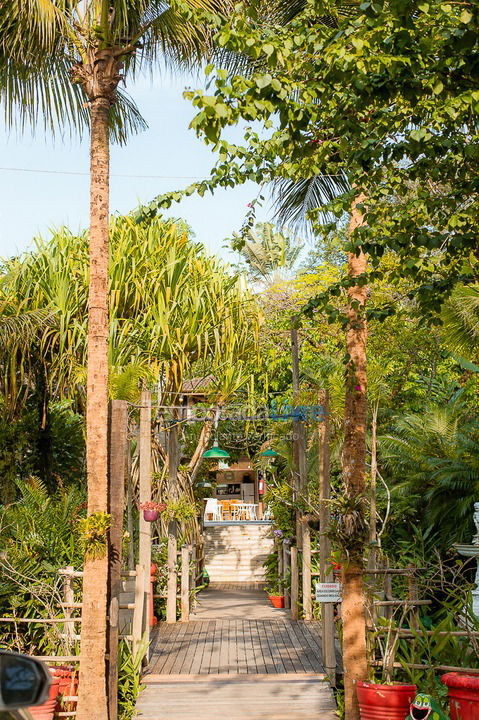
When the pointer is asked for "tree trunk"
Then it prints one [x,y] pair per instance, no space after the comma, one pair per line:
[92,690]
[354,475]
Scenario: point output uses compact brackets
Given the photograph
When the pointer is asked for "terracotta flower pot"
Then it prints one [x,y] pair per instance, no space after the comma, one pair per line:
[384,702]
[68,686]
[46,710]
[277,601]
[150,515]
[463,691]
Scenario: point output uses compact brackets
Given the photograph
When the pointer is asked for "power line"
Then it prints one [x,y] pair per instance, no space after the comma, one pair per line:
[86,174]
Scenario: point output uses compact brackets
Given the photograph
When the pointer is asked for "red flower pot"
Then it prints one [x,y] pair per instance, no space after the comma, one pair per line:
[463,691]
[384,702]
[46,710]
[277,601]
[150,515]
[68,686]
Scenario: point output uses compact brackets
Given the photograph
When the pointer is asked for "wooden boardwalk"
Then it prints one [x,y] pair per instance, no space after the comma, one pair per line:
[240,657]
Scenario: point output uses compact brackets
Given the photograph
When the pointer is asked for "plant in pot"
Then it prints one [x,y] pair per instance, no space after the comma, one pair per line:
[151,510]
[275,595]
[386,700]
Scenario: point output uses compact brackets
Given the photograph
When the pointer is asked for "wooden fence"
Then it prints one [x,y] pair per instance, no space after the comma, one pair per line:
[184,578]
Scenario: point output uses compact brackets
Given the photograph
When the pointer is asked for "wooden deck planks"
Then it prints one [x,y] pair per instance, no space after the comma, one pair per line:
[240,697]
[236,647]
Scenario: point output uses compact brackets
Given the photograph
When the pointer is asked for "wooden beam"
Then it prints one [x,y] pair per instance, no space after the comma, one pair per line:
[144,557]
[325,569]
[116,471]
[307,599]
[171,580]
[185,583]
[294,583]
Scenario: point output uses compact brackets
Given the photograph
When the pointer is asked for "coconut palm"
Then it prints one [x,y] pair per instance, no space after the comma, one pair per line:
[99,43]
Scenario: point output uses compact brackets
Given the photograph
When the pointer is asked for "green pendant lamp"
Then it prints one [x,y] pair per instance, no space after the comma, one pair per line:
[204,484]
[269,453]
[216,453]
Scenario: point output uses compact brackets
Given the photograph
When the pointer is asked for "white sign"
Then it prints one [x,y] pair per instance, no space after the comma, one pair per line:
[328,592]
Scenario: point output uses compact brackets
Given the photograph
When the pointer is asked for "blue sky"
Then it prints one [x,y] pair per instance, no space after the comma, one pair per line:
[32,203]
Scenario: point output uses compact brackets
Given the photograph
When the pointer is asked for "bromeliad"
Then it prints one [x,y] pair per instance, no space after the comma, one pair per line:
[424,707]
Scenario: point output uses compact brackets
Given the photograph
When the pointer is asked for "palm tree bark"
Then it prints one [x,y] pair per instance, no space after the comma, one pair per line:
[92,690]
[354,473]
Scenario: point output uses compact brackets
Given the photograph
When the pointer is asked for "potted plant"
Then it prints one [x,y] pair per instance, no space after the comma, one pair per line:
[384,702]
[46,710]
[275,596]
[151,510]
[463,691]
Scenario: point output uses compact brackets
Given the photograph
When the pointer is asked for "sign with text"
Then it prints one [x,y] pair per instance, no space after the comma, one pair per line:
[328,592]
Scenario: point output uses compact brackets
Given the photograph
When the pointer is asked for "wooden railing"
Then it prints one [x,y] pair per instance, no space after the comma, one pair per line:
[183,581]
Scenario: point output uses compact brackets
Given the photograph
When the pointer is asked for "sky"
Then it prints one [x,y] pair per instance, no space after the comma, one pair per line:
[34,203]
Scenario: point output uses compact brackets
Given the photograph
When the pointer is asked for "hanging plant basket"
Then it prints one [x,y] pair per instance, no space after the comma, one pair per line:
[151,510]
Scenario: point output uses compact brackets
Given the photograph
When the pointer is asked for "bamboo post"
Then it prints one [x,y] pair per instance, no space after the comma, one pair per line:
[413,596]
[300,475]
[139,608]
[287,595]
[117,456]
[185,583]
[129,512]
[68,599]
[294,583]
[307,599]
[145,496]
[171,580]
[194,567]
[325,570]
[279,547]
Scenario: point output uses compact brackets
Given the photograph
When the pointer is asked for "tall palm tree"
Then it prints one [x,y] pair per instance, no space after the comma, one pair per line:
[99,42]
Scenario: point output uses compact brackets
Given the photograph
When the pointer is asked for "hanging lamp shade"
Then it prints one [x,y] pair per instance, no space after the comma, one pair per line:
[216,453]
[269,453]
[204,484]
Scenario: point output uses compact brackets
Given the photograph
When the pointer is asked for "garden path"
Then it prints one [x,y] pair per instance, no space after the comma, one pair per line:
[236,656]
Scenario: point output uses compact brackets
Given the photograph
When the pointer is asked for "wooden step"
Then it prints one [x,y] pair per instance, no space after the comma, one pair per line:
[240,697]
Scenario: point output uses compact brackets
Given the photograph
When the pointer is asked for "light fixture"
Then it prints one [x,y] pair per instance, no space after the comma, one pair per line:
[204,484]
[269,453]
[216,453]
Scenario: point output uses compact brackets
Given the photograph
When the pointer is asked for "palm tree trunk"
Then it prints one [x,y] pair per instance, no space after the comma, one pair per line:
[354,474]
[92,690]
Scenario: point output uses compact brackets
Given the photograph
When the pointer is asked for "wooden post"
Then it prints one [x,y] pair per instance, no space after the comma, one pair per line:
[307,590]
[145,496]
[129,512]
[413,595]
[300,477]
[294,583]
[287,596]
[185,583]
[373,549]
[279,546]
[194,567]
[139,609]
[68,599]
[117,458]
[325,569]
[171,580]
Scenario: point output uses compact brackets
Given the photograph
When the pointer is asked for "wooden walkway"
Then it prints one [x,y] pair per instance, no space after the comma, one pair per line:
[245,660]
[214,647]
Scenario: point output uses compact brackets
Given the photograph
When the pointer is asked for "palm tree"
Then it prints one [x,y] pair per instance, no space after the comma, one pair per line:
[97,43]
[268,254]
[432,458]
